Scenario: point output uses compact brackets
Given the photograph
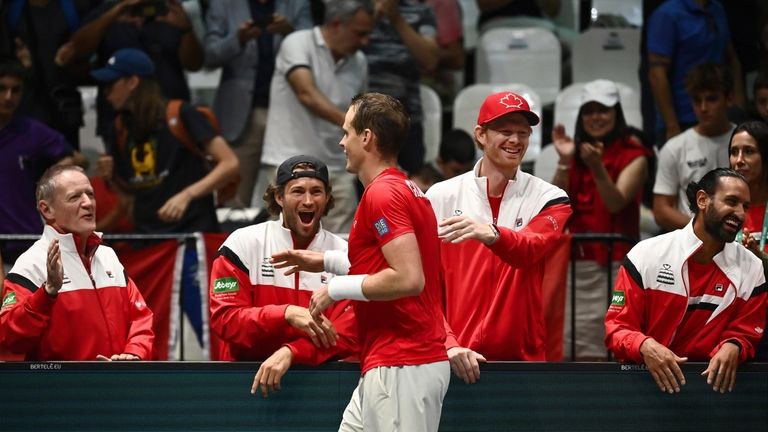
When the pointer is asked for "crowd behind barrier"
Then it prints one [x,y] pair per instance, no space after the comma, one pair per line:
[173,278]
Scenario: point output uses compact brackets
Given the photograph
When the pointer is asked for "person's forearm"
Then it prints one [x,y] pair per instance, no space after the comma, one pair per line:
[190,51]
[561,178]
[662,94]
[224,170]
[612,198]
[86,40]
[422,49]
[320,106]
[739,97]
[451,56]
[670,218]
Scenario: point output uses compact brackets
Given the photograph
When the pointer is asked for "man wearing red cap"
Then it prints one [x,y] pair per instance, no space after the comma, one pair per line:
[497,224]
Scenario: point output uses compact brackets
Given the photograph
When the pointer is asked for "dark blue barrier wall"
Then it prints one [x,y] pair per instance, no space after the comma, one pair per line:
[510,397]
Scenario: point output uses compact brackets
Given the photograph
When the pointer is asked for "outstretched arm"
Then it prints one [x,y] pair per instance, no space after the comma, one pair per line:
[403,278]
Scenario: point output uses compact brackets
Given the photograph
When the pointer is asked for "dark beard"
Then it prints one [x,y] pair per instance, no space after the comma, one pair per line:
[714,226]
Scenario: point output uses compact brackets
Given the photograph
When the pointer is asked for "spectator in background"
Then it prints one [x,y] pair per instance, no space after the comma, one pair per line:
[456,156]
[170,182]
[243,38]
[402,46]
[692,294]
[681,35]
[262,315]
[317,73]
[114,214]
[450,42]
[68,297]
[748,152]
[38,35]
[497,223]
[603,169]
[759,107]
[164,33]
[27,149]
[699,149]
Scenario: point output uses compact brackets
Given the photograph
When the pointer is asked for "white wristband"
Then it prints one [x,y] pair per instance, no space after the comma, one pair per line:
[347,287]
[336,262]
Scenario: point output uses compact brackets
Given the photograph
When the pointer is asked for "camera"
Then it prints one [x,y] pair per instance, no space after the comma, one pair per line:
[149,8]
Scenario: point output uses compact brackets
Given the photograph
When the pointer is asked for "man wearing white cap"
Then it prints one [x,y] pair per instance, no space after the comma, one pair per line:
[497,224]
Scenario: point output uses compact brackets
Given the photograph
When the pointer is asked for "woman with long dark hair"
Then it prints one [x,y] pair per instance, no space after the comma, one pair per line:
[748,154]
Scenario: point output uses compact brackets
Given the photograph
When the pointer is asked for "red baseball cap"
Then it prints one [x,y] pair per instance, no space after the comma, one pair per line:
[499,104]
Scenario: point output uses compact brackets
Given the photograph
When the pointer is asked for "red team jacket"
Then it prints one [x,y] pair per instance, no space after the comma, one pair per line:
[98,310]
[651,298]
[493,294]
[248,298]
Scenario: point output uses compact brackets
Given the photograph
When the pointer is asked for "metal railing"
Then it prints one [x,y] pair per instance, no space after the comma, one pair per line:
[576,240]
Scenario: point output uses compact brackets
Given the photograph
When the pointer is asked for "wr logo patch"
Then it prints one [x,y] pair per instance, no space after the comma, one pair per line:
[381,227]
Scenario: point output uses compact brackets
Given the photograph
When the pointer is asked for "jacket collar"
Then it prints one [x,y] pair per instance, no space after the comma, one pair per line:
[69,243]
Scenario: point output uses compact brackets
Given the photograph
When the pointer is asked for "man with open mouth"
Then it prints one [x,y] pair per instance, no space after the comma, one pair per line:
[259,309]
[692,294]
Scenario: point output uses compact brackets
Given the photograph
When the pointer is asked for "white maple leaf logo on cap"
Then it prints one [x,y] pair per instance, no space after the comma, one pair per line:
[111,60]
[511,100]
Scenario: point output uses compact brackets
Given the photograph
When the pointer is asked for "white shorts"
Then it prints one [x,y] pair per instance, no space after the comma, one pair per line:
[398,398]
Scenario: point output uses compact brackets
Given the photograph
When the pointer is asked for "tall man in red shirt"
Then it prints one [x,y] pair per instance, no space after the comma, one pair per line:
[498,224]
[394,278]
[692,293]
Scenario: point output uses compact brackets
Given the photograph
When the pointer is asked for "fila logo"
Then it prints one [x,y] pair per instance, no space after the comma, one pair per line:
[719,287]
[666,275]
[511,100]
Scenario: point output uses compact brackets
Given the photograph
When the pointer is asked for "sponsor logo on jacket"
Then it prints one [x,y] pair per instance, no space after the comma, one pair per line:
[225,285]
[617,299]
[9,299]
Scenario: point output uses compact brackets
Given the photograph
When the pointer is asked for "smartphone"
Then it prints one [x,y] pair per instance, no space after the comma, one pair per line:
[150,8]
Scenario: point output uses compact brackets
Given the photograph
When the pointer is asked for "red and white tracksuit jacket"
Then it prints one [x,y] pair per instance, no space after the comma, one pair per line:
[493,293]
[248,298]
[651,298]
[98,309]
